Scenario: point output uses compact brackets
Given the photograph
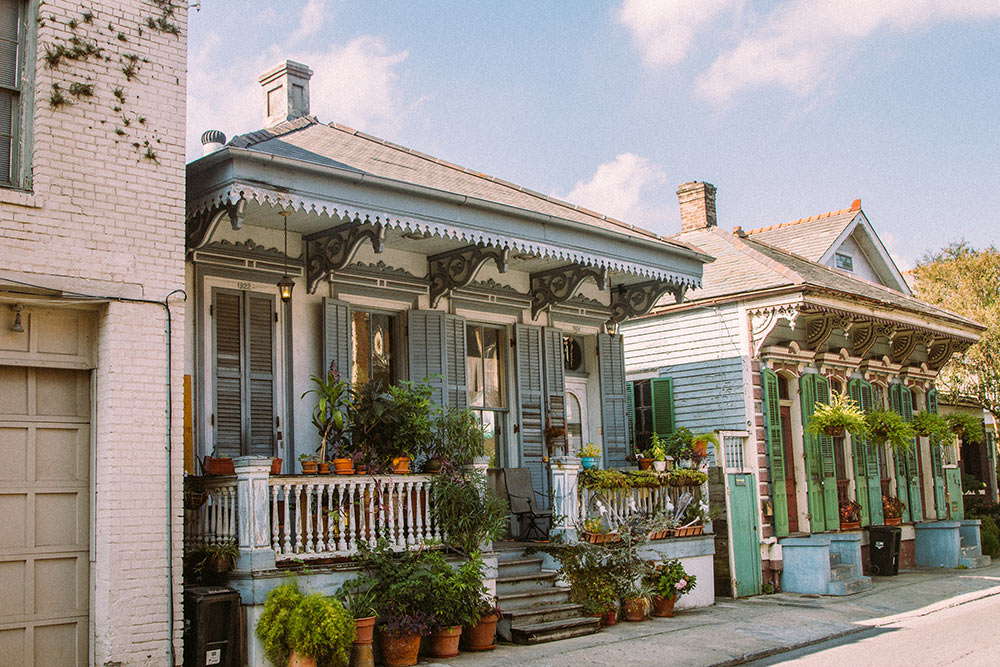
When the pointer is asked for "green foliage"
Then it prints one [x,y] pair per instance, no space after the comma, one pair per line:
[357,600]
[402,586]
[79,89]
[892,507]
[669,579]
[273,629]
[605,480]
[590,450]
[56,97]
[989,534]
[964,280]
[933,426]
[972,483]
[596,479]
[680,444]
[459,594]
[706,437]
[320,626]
[393,421]
[588,571]
[658,448]
[468,511]
[457,436]
[840,413]
[686,477]
[966,426]
[332,415]
[888,426]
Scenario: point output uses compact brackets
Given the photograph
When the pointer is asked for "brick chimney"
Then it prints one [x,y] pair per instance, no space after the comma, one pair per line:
[286,92]
[697,202]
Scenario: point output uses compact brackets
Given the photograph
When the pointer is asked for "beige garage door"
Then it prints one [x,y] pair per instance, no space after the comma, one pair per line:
[44,516]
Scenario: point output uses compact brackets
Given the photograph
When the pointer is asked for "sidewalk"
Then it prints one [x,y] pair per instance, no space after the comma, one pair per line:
[735,631]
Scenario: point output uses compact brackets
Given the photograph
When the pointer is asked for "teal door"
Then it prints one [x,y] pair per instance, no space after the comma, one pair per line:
[744,533]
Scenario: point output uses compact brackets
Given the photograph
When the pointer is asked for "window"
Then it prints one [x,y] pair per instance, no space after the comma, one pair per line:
[14,96]
[244,417]
[845,262]
[572,354]
[487,379]
[373,348]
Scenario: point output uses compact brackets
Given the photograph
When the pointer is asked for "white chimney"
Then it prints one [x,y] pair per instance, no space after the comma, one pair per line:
[286,92]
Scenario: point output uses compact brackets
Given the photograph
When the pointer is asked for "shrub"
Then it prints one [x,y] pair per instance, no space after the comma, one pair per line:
[989,533]
[320,626]
[273,626]
[669,579]
[468,511]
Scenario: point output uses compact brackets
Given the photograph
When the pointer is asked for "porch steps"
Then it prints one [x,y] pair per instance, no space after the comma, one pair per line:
[846,578]
[972,557]
[535,609]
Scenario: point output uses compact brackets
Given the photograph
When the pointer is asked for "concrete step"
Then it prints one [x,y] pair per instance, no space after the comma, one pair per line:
[850,586]
[555,630]
[530,599]
[521,583]
[509,550]
[530,616]
[971,551]
[516,566]
[834,559]
[975,561]
[843,572]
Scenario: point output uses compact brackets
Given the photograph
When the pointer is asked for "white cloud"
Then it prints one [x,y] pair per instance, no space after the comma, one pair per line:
[665,29]
[801,43]
[616,189]
[312,20]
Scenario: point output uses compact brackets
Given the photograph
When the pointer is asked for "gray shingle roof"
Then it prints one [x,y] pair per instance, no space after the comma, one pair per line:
[808,237]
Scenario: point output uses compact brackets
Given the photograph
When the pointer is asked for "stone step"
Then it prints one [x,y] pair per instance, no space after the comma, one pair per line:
[516,566]
[843,572]
[850,586]
[555,630]
[834,559]
[975,561]
[971,551]
[521,583]
[529,616]
[530,599]
[509,552]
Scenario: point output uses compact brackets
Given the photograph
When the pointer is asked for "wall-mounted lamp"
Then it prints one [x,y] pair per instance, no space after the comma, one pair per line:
[17,327]
[286,284]
[611,327]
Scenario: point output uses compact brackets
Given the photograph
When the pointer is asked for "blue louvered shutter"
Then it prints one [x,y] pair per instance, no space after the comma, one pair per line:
[555,382]
[611,367]
[227,317]
[426,334]
[336,337]
[530,404]
[260,422]
[457,369]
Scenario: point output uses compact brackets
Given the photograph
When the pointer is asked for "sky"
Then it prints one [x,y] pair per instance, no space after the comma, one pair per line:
[790,108]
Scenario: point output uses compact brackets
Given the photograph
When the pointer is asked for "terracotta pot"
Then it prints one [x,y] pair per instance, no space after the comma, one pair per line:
[399,650]
[479,637]
[850,525]
[217,466]
[609,618]
[645,463]
[364,628]
[601,538]
[297,659]
[401,465]
[324,468]
[444,643]
[689,531]
[893,521]
[309,467]
[219,564]
[635,609]
[275,466]
[361,468]
[663,607]
[343,466]
[700,448]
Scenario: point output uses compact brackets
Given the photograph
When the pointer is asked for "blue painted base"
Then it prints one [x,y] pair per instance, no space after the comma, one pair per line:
[937,544]
[828,564]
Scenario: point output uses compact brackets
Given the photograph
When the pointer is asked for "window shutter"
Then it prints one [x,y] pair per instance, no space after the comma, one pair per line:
[555,379]
[457,368]
[828,465]
[779,489]
[10,22]
[902,485]
[912,471]
[630,414]
[873,472]
[227,318]
[426,339]
[860,457]
[260,372]
[814,472]
[937,464]
[662,390]
[611,367]
[531,414]
[336,337]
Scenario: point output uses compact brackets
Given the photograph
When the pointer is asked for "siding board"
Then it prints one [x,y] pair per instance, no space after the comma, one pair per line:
[708,395]
[703,334]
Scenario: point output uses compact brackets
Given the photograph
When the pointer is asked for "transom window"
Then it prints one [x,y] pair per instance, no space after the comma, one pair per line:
[487,379]
[845,262]
[373,349]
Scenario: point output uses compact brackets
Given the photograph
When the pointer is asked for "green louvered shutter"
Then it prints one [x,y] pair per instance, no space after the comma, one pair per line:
[814,471]
[776,453]
[902,479]
[530,404]
[336,337]
[630,414]
[555,380]
[937,464]
[662,391]
[828,465]
[611,367]
[874,473]
[456,356]
[425,332]
[860,458]
[912,469]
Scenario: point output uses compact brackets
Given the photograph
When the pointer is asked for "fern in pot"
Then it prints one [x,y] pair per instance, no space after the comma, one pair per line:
[933,426]
[889,427]
[839,415]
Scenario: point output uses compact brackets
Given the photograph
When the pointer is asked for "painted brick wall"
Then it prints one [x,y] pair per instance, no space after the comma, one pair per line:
[102,219]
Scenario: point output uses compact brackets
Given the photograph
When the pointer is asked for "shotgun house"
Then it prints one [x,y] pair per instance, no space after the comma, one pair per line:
[787,315]
[405,267]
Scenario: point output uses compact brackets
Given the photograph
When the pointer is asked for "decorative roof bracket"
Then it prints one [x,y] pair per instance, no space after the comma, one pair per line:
[939,352]
[330,251]
[819,328]
[863,334]
[638,299]
[455,269]
[201,225]
[902,342]
[555,286]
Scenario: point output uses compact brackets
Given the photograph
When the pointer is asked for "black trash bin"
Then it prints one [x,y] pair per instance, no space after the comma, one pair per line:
[211,626]
[883,550]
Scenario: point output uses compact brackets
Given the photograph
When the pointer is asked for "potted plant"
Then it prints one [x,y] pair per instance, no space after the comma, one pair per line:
[644,458]
[407,427]
[457,439]
[595,532]
[892,510]
[658,451]
[686,477]
[850,515]
[456,601]
[889,427]
[590,456]
[469,513]
[332,417]
[968,427]
[661,525]
[302,630]
[217,465]
[839,415]
[679,445]
[669,581]
[932,425]
[309,463]
[360,604]
[694,518]
[699,444]
[634,602]
[592,581]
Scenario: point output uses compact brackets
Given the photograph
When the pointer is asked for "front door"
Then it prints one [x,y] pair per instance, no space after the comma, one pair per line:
[743,533]
[577,434]
[790,494]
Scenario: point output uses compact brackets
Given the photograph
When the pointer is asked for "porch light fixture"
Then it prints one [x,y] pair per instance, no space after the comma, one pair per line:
[17,327]
[286,284]
[612,327]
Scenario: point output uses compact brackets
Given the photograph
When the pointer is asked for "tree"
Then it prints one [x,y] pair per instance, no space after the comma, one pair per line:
[966,281]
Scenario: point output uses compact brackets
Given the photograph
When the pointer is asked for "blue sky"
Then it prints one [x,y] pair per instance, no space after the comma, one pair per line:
[790,108]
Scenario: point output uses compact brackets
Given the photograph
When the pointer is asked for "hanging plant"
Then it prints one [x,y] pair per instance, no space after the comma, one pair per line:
[932,425]
[968,427]
[889,427]
[839,415]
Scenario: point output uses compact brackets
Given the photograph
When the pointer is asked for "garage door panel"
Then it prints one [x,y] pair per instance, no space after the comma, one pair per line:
[12,578]
[14,527]
[60,644]
[12,646]
[13,390]
[60,520]
[63,393]
[58,455]
[58,585]
[14,453]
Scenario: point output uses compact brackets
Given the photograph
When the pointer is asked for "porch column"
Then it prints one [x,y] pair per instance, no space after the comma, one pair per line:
[565,499]
[254,516]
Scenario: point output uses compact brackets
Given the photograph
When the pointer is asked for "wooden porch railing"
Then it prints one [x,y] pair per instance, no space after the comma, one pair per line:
[210,511]
[621,504]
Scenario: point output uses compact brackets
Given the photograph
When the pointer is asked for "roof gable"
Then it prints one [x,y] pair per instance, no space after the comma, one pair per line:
[871,260]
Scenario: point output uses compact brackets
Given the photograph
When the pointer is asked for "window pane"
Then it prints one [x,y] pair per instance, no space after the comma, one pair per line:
[381,326]
[8,42]
[493,367]
[361,354]
[474,364]
[493,436]
[7,104]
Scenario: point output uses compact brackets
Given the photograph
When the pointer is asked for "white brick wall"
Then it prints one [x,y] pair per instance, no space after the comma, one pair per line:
[103,220]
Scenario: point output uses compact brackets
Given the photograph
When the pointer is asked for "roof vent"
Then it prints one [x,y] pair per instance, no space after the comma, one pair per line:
[211,141]
[286,92]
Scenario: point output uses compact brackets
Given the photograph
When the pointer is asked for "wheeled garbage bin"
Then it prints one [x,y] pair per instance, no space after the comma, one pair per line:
[211,627]
[883,549]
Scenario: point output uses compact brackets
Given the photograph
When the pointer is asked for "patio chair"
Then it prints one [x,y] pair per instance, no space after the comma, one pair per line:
[531,521]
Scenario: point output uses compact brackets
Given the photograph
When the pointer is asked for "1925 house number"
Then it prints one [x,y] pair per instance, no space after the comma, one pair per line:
[244,285]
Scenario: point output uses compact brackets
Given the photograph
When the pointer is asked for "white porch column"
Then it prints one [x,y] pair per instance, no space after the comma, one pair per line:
[565,500]
[253,512]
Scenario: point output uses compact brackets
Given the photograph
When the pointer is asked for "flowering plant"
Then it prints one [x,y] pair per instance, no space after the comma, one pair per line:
[892,508]
[850,512]
[669,579]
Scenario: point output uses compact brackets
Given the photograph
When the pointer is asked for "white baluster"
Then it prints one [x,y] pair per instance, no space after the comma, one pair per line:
[387,501]
[275,538]
[310,548]
[286,538]
[370,504]
[298,521]
[349,524]
[408,516]
[425,505]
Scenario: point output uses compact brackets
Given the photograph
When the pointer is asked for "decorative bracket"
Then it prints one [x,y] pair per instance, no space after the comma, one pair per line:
[555,286]
[330,251]
[638,299]
[201,225]
[455,269]
[819,328]
[763,321]
[939,352]
[863,334]
[902,342]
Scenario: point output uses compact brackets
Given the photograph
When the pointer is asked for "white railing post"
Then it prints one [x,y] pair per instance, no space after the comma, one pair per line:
[253,513]
[565,501]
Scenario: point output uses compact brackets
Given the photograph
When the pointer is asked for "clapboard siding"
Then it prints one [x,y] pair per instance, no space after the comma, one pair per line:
[703,334]
[708,395]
